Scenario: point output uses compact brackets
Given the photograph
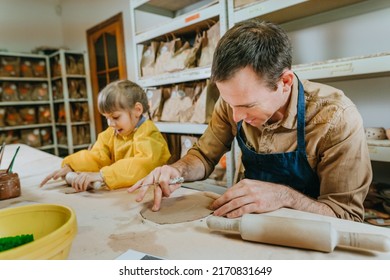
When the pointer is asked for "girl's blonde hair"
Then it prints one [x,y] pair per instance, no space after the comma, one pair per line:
[121,95]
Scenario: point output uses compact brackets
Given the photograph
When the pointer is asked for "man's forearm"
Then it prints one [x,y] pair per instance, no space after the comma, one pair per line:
[299,201]
[190,167]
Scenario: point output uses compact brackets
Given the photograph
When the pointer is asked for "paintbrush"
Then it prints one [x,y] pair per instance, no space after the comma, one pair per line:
[2,152]
[9,169]
[174,181]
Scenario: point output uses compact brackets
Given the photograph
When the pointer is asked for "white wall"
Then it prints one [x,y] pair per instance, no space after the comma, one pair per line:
[354,36]
[28,24]
[80,15]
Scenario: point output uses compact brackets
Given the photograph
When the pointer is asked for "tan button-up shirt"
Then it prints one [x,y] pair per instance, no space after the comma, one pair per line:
[335,144]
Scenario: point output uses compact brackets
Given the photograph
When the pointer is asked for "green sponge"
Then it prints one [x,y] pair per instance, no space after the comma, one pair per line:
[15,241]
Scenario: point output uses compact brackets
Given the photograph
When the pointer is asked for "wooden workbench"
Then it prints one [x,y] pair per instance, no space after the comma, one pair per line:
[109,223]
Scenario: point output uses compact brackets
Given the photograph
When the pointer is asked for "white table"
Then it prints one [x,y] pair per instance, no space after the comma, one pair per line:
[109,223]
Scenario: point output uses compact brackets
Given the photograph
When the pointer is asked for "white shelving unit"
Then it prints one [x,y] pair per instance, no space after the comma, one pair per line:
[291,15]
[67,101]
[185,17]
[31,88]
[181,128]
[199,73]
[376,65]
[379,153]
[296,14]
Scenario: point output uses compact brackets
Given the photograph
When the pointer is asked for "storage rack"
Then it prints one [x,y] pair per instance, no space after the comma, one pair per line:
[48,142]
[291,15]
[297,14]
[65,125]
[186,17]
[377,65]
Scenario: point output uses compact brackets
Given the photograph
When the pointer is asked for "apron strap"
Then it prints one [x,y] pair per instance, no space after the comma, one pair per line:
[301,118]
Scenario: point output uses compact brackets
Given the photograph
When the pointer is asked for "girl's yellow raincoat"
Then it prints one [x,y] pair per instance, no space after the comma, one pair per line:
[123,161]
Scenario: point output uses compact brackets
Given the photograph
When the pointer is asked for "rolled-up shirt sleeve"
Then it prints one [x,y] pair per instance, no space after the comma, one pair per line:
[344,167]
[217,139]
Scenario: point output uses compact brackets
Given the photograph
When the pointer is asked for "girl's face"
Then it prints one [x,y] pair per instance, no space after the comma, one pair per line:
[123,121]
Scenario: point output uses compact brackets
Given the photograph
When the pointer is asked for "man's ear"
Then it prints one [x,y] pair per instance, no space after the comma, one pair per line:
[287,79]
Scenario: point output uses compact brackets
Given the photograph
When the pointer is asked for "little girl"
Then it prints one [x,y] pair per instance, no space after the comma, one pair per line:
[129,149]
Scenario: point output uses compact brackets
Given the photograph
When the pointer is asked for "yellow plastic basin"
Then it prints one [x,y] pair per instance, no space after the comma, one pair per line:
[53,226]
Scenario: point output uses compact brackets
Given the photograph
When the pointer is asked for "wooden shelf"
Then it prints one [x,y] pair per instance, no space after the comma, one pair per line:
[193,74]
[23,79]
[25,126]
[24,103]
[378,153]
[284,11]
[181,128]
[181,24]
[376,65]
[169,6]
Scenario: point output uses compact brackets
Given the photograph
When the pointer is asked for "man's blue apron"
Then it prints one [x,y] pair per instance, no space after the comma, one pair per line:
[290,168]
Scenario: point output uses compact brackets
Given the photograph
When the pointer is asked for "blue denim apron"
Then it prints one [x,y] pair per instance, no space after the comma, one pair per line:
[290,168]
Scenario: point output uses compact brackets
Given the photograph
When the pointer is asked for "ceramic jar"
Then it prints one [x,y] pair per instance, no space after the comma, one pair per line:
[9,185]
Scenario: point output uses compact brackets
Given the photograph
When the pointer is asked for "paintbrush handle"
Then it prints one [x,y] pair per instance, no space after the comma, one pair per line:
[174,181]
[9,169]
[2,152]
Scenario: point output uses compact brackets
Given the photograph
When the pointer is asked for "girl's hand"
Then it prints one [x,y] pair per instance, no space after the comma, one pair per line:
[84,180]
[61,173]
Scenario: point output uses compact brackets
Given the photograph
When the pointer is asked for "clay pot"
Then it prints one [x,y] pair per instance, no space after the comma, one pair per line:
[375,133]
[9,185]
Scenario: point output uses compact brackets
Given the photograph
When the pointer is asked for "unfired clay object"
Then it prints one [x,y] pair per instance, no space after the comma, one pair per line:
[375,133]
[180,209]
[9,185]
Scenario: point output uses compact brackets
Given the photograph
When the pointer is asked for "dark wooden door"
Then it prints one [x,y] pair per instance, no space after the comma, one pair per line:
[107,59]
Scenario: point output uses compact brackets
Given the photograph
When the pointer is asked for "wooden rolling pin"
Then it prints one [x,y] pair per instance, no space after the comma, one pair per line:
[298,233]
[70,176]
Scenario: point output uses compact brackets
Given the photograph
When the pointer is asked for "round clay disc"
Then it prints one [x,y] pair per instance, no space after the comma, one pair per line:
[179,209]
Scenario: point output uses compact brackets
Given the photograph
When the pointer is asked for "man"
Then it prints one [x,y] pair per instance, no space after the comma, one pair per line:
[303,143]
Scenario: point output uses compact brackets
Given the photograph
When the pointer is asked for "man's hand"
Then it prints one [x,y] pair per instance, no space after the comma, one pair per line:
[251,196]
[159,179]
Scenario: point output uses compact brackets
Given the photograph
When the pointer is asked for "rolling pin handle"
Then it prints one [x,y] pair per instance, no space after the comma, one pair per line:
[223,224]
[364,241]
